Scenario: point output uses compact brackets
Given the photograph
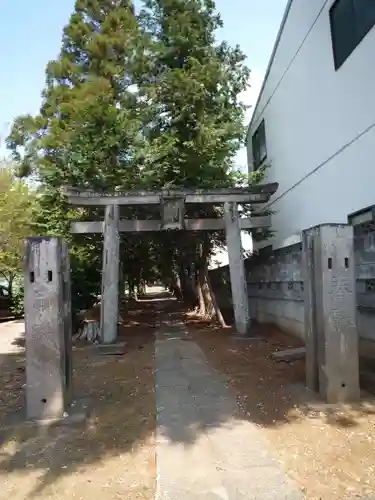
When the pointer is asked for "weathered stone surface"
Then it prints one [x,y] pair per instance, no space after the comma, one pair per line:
[110,276]
[237,268]
[311,341]
[77,412]
[47,328]
[68,326]
[259,193]
[331,330]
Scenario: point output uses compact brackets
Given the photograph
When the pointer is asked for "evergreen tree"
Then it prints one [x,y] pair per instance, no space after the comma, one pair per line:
[17,204]
[136,101]
[196,119]
[193,88]
[88,130]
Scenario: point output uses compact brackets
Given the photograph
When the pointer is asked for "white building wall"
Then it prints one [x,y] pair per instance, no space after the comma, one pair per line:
[320,124]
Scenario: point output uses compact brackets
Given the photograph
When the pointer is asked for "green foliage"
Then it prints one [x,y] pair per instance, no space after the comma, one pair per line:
[88,130]
[17,299]
[195,118]
[17,203]
[85,260]
[134,102]
[88,125]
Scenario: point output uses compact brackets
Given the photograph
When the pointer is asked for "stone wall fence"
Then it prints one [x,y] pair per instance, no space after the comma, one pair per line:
[276,287]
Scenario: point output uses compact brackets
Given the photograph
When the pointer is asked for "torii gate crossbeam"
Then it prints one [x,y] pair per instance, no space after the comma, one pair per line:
[172,209]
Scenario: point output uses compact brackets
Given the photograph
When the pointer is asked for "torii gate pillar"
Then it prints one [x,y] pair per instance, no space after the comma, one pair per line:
[110,276]
[237,269]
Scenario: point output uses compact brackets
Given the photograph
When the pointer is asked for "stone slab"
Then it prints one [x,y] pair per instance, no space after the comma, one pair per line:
[289,354]
[204,449]
[248,338]
[118,348]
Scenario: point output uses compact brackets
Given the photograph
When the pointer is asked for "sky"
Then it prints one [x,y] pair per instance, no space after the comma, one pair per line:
[30,36]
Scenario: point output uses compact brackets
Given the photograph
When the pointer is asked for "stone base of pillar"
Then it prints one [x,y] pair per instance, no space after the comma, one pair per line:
[77,412]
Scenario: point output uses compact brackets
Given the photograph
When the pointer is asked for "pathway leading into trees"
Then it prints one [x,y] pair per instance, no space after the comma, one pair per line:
[204,449]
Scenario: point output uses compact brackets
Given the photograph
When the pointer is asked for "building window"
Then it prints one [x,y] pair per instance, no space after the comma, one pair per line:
[259,146]
[351,20]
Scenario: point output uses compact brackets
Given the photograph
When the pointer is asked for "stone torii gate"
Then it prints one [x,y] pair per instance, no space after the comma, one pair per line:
[172,213]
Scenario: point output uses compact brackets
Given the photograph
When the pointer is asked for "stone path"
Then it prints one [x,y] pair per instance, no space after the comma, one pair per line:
[204,450]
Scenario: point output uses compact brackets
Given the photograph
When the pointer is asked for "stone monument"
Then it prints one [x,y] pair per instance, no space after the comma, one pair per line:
[48,329]
[330,313]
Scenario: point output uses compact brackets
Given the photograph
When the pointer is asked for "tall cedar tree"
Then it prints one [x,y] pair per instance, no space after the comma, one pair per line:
[88,130]
[182,126]
[196,119]
[193,85]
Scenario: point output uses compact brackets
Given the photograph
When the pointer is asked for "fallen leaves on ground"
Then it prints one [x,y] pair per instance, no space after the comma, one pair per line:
[111,455]
[328,450]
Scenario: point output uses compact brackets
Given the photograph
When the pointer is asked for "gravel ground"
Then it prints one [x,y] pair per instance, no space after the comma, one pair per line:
[328,450]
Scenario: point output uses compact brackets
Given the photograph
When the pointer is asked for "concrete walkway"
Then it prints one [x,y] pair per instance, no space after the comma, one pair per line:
[204,449]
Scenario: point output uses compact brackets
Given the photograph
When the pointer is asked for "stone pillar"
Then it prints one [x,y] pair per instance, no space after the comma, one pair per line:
[47,320]
[110,275]
[330,302]
[308,260]
[68,327]
[237,268]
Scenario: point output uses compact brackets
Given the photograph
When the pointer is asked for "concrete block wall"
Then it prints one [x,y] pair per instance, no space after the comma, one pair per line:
[276,287]
[364,247]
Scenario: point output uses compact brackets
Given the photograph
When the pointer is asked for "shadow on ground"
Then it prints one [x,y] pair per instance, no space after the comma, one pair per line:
[121,426]
[273,389]
[122,391]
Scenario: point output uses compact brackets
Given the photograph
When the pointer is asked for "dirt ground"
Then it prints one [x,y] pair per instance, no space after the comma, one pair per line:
[328,450]
[112,455]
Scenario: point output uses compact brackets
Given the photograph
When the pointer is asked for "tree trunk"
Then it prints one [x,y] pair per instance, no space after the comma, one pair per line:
[10,286]
[201,304]
[183,284]
[206,292]
[176,287]
[90,332]
[187,289]
[212,309]
[193,291]
[132,293]
[217,310]
[141,289]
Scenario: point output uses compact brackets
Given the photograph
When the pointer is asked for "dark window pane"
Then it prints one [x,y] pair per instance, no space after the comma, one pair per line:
[364,11]
[344,36]
[259,145]
[351,20]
